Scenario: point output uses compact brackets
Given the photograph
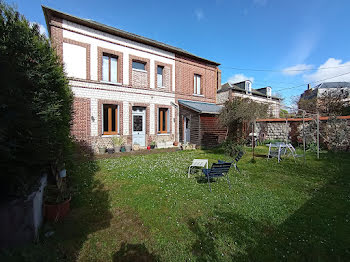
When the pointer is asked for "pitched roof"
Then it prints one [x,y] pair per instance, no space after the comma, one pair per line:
[333,85]
[118,32]
[229,86]
[201,107]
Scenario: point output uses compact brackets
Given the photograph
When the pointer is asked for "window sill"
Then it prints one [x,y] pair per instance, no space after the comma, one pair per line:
[198,95]
[116,135]
[163,134]
[113,83]
[139,70]
[160,87]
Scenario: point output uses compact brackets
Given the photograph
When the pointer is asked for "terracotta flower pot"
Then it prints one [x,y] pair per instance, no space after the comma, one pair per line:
[176,143]
[55,212]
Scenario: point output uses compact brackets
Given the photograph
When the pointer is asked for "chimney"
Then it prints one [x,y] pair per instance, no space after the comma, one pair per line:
[308,86]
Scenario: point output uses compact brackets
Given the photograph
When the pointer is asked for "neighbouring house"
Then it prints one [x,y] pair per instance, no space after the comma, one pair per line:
[132,86]
[341,89]
[244,89]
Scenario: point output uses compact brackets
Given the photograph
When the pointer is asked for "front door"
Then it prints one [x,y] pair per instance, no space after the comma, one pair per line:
[186,129]
[139,126]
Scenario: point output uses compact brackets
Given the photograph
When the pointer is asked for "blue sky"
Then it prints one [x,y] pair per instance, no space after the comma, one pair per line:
[245,34]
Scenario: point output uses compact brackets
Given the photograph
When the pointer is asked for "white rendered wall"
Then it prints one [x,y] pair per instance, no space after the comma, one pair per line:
[127,47]
[74,58]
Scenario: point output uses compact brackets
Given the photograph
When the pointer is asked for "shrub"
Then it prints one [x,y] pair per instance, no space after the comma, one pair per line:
[232,148]
[35,104]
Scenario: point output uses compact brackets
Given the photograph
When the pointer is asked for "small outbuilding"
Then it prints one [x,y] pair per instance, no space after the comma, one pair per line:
[199,123]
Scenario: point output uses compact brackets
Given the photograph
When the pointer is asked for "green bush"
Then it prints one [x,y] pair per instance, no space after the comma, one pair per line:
[232,148]
[35,104]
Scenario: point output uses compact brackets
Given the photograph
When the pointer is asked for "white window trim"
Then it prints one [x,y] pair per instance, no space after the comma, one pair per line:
[195,87]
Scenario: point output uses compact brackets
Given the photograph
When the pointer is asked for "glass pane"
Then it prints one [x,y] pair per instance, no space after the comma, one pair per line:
[159,70]
[198,84]
[105,118]
[164,120]
[114,69]
[105,68]
[113,119]
[137,123]
[159,80]
[195,85]
[138,65]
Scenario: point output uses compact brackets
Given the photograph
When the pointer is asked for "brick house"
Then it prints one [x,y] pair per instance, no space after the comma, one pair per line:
[244,89]
[128,85]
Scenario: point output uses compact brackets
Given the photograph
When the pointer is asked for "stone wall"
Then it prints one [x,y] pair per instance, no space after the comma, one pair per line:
[334,132]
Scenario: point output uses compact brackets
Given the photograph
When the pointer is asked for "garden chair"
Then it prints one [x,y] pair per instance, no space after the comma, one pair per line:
[292,151]
[235,162]
[217,170]
[277,150]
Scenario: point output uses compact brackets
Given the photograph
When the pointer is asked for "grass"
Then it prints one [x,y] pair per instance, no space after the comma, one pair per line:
[144,208]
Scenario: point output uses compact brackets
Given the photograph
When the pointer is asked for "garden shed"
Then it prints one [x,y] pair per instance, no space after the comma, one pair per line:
[199,123]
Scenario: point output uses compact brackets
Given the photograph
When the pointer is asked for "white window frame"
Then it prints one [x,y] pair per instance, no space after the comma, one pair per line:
[109,68]
[160,77]
[197,84]
[248,87]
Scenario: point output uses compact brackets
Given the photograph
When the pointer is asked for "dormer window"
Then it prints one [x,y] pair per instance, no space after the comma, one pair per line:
[268,92]
[248,87]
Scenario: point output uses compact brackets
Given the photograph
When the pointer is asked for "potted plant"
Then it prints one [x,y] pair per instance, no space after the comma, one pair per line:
[176,143]
[128,148]
[153,144]
[101,149]
[110,150]
[57,196]
[118,142]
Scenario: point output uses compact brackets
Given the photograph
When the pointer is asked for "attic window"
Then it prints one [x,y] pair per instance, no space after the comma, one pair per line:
[268,92]
[248,87]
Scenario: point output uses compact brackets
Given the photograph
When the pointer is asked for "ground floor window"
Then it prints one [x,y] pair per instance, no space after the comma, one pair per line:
[163,118]
[110,119]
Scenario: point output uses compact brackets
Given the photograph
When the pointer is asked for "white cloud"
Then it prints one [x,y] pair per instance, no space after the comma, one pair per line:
[42,28]
[260,2]
[334,67]
[199,14]
[239,78]
[296,70]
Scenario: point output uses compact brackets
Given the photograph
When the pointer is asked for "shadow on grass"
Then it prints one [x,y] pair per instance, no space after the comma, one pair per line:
[134,252]
[89,213]
[318,231]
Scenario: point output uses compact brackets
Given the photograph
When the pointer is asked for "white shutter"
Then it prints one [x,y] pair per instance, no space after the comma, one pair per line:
[114,64]
[105,68]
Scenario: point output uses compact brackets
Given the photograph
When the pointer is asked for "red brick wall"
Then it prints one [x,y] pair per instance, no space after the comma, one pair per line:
[185,68]
[212,132]
[56,35]
[81,127]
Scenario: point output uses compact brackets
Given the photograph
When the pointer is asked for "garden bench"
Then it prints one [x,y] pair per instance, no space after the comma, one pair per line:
[217,170]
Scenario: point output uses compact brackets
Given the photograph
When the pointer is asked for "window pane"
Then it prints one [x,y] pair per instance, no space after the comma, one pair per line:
[105,68]
[137,123]
[198,84]
[114,69]
[160,70]
[138,65]
[113,119]
[195,84]
[105,118]
[159,80]
[164,121]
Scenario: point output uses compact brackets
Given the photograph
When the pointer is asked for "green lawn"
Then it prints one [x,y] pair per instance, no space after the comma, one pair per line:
[144,208]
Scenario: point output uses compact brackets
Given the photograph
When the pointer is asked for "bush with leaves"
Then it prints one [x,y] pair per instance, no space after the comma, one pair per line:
[35,104]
